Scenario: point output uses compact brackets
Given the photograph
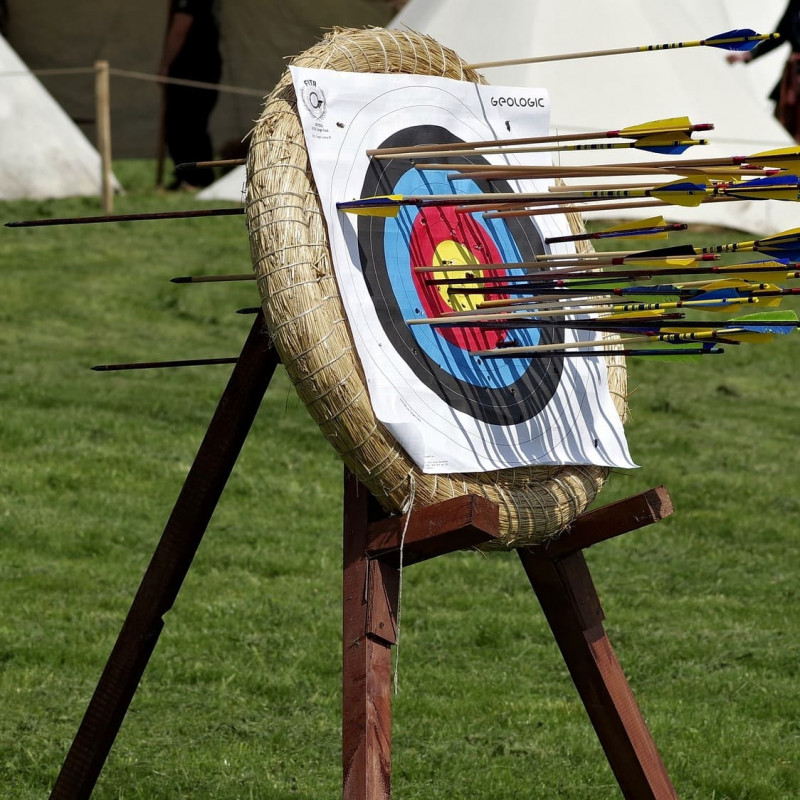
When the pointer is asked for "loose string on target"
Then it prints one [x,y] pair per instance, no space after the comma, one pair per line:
[407,508]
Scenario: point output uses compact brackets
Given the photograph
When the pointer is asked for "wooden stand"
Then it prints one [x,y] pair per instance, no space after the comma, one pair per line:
[372,542]
[560,577]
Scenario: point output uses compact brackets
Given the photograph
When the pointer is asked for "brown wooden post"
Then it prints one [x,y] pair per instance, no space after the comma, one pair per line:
[102,95]
[369,631]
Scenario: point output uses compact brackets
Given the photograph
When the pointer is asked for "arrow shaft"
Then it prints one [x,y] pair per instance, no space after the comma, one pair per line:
[244,276]
[628,353]
[503,148]
[653,230]
[618,51]
[200,212]
[633,132]
[524,312]
[193,362]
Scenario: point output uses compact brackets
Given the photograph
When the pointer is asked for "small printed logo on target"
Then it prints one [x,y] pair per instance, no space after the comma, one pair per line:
[519,102]
[313,99]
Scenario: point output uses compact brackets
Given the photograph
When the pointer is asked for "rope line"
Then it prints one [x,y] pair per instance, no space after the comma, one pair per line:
[142,76]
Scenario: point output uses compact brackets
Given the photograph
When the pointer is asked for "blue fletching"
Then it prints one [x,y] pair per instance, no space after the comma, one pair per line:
[781,323]
[781,330]
[668,150]
[684,186]
[774,180]
[741,33]
[775,183]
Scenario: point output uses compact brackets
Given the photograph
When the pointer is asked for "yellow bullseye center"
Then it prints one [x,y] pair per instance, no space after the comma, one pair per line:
[453,254]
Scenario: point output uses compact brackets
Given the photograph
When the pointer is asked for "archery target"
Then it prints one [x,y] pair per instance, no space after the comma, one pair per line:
[294,230]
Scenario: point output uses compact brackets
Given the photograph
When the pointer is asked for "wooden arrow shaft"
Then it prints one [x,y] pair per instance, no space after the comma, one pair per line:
[199,212]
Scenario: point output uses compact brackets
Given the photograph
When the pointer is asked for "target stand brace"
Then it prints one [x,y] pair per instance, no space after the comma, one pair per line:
[557,572]
[559,576]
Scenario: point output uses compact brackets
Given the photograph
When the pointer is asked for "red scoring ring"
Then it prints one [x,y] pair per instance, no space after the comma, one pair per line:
[431,227]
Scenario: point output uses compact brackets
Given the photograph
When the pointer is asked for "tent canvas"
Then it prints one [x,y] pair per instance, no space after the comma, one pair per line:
[42,152]
[256,37]
[616,91]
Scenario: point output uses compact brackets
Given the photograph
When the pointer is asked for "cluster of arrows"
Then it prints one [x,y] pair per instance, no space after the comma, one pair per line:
[629,298]
[632,295]
[621,295]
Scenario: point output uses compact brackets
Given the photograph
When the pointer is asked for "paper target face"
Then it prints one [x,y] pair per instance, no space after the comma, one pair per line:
[496,391]
[452,410]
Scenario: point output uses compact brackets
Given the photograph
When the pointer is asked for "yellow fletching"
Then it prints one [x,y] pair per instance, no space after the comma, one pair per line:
[663,263]
[671,125]
[752,337]
[783,157]
[760,277]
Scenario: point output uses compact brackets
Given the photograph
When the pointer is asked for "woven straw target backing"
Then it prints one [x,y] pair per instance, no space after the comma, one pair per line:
[304,312]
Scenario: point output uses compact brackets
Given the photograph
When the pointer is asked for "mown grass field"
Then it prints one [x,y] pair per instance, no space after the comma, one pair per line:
[241,699]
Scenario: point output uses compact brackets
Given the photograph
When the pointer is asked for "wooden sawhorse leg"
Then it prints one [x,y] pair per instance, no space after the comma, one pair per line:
[168,567]
[560,577]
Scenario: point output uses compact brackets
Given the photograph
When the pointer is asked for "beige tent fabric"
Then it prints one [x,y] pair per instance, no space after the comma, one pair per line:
[42,152]
[257,36]
[617,91]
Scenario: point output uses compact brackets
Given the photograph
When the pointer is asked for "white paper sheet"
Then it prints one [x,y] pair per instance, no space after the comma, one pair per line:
[451,411]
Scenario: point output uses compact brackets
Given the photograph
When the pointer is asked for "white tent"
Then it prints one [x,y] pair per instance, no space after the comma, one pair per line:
[42,152]
[230,186]
[616,91]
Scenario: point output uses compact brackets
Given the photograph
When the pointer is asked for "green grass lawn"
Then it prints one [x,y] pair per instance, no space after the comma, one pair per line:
[241,699]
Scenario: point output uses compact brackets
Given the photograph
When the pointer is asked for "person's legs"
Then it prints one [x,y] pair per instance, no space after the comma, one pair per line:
[186,131]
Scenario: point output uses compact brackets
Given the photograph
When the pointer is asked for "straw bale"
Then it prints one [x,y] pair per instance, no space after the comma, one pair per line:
[304,312]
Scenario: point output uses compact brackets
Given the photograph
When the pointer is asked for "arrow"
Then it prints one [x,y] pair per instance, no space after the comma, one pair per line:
[784,245]
[560,310]
[740,39]
[592,280]
[558,347]
[696,289]
[783,158]
[684,193]
[732,334]
[654,227]
[666,144]
[779,322]
[678,259]
[513,171]
[194,362]
[581,206]
[708,350]
[619,256]
[659,127]
[200,212]
[771,187]
[777,187]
